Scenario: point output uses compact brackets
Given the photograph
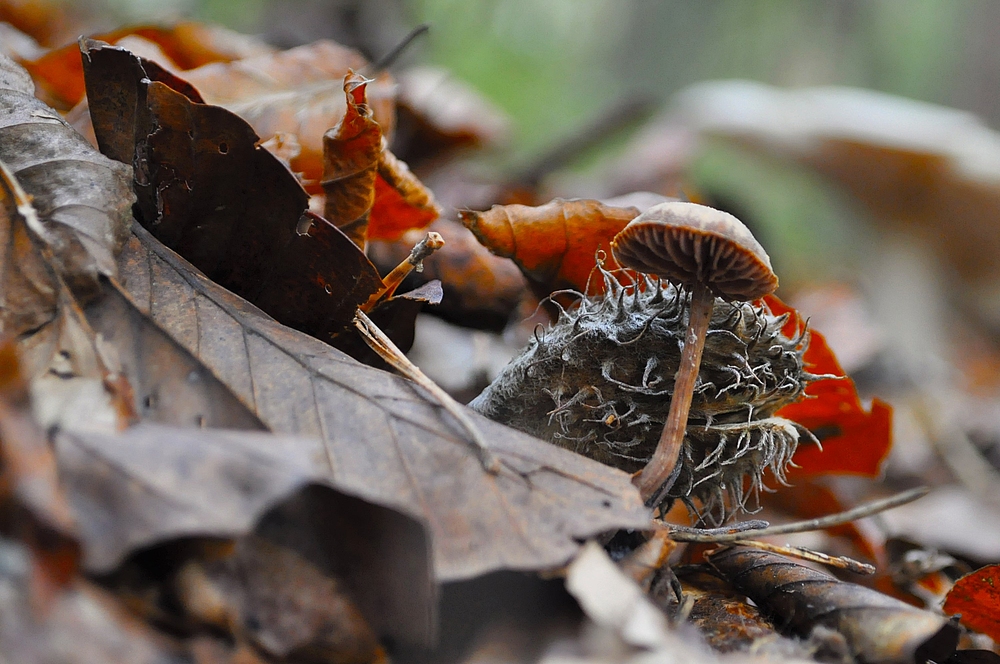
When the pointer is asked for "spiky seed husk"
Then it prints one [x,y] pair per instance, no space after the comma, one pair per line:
[599,382]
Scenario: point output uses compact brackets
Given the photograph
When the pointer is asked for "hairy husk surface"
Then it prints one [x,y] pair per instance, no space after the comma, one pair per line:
[600,379]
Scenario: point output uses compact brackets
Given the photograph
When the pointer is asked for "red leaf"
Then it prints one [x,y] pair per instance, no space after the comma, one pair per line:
[977,597]
[854,441]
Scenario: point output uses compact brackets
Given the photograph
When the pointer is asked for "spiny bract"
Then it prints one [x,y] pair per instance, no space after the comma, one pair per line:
[599,382]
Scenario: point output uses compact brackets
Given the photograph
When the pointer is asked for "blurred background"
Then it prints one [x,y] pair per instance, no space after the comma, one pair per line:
[855,137]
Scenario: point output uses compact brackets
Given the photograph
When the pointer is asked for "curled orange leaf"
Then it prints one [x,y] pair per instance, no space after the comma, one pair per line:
[553,244]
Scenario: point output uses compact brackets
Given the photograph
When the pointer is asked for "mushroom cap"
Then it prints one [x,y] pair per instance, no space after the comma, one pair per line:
[687,243]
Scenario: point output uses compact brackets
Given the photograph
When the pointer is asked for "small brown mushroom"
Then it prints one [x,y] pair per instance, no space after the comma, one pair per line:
[711,254]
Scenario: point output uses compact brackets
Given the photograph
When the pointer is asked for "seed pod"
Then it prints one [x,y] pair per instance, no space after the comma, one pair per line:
[599,382]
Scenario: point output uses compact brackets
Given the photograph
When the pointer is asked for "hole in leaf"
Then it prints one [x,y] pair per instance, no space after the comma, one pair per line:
[223,147]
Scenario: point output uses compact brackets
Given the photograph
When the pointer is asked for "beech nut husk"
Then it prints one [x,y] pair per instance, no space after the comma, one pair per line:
[599,382]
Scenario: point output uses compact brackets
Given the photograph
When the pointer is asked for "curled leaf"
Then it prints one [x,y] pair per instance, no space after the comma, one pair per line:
[369,193]
[878,628]
[351,154]
[555,244]
[83,199]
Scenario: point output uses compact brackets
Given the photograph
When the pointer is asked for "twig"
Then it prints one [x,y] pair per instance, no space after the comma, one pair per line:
[389,58]
[841,562]
[431,243]
[679,534]
[381,344]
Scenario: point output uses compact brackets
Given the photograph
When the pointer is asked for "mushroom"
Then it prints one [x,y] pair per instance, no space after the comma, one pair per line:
[711,254]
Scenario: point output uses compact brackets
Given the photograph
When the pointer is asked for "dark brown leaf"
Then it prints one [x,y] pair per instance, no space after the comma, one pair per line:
[206,189]
[878,628]
[378,437]
[83,199]
[723,617]
[151,484]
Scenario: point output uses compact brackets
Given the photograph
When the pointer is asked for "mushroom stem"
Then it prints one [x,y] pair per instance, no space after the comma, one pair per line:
[661,466]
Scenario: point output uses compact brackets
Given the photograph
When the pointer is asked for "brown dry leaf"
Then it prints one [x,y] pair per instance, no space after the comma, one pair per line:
[555,244]
[280,602]
[84,200]
[723,617]
[351,154]
[878,628]
[186,45]
[152,484]
[207,190]
[367,192]
[380,438]
[83,623]
[170,386]
[298,92]
[480,289]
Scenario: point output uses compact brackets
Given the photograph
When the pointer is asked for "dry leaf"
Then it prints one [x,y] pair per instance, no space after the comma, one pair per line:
[152,484]
[383,440]
[878,628]
[723,617]
[351,153]
[83,623]
[977,597]
[555,244]
[209,191]
[83,199]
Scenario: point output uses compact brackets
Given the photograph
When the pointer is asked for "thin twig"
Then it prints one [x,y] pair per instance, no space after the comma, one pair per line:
[389,58]
[421,250]
[387,350]
[859,512]
[840,562]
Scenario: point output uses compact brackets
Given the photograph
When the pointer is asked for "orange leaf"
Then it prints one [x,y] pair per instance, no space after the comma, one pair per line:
[402,202]
[351,155]
[977,597]
[59,73]
[553,244]
[368,191]
[854,441]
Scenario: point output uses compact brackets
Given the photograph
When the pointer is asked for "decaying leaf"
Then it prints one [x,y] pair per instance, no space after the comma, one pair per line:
[878,628]
[84,200]
[368,192]
[381,439]
[976,597]
[853,441]
[282,603]
[151,484]
[207,189]
[82,623]
[169,385]
[350,165]
[555,244]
